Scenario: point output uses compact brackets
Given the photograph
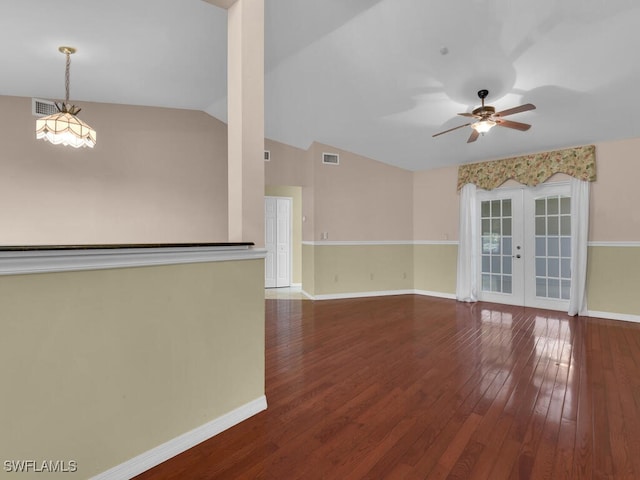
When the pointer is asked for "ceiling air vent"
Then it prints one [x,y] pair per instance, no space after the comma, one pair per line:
[267,155]
[42,108]
[330,158]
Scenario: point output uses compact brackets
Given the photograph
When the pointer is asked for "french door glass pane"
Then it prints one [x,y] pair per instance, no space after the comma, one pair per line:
[553,247]
[496,223]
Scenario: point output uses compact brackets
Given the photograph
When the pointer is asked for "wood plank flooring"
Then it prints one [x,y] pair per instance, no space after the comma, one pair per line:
[412,387]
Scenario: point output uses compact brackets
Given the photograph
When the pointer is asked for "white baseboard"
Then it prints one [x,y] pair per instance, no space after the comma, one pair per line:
[335,296]
[161,453]
[308,295]
[427,293]
[614,316]
[381,293]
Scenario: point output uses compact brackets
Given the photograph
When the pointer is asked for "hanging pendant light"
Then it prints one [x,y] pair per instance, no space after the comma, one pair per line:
[64,127]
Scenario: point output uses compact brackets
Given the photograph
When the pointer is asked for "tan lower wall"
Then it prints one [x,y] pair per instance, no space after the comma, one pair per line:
[101,366]
[613,280]
[308,269]
[362,268]
[435,267]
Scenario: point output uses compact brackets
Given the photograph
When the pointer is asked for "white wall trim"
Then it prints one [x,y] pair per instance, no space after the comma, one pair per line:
[436,242]
[613,244]
[451,296]
[161,453]
[427,293]
[379,242]
[357,242]
[380,293]
[16,262]
[625,317]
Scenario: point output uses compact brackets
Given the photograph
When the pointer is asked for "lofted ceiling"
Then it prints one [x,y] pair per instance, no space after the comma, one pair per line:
[368,76]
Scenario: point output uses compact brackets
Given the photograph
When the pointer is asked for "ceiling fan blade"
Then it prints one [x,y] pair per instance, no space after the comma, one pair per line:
[510,111]
[472,115]
[474,136]
[452,129]
[509,124]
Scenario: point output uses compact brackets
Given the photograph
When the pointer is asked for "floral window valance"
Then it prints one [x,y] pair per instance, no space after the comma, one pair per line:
[579,162]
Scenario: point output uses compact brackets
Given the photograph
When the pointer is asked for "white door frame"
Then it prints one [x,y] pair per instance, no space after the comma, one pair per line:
[271,261]
[523,235]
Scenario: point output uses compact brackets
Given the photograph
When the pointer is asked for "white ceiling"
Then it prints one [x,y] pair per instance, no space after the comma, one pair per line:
[366,76]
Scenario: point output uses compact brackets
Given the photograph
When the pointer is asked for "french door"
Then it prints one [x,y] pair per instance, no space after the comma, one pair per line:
[525,246]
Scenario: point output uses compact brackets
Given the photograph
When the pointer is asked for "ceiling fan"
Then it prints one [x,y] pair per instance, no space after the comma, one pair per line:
[488,118]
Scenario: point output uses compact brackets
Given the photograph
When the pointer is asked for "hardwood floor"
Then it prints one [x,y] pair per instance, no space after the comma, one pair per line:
[412,387]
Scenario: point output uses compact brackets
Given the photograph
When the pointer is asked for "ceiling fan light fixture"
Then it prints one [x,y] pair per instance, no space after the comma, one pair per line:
[487,118]
[483,126]
[64,128]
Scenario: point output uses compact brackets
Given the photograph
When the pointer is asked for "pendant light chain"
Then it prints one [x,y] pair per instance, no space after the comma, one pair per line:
[66,77]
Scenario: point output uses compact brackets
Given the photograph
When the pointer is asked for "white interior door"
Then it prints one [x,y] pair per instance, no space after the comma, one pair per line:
[525,246]
[277,215]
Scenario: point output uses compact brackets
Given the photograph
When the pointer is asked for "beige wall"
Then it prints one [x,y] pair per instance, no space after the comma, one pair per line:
[361,199]
[435,268]
[435,204]
[614,270]
[101,366]
[309,198]
[156,175]
[308,269]
[341,269]
[613,277]
[615,217]
[287,165]
[358,200]
[615,196]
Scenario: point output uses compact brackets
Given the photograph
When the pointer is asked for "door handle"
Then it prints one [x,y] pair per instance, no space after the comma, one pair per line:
[518,256]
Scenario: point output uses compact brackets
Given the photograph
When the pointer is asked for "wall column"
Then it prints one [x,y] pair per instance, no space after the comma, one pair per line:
[245,93]
[245,90]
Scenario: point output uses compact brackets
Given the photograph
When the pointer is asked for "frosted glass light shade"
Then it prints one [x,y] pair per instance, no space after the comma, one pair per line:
[66,129]
[483,126]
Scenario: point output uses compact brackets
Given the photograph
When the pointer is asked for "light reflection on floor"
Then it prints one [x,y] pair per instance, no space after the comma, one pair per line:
[553,371]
